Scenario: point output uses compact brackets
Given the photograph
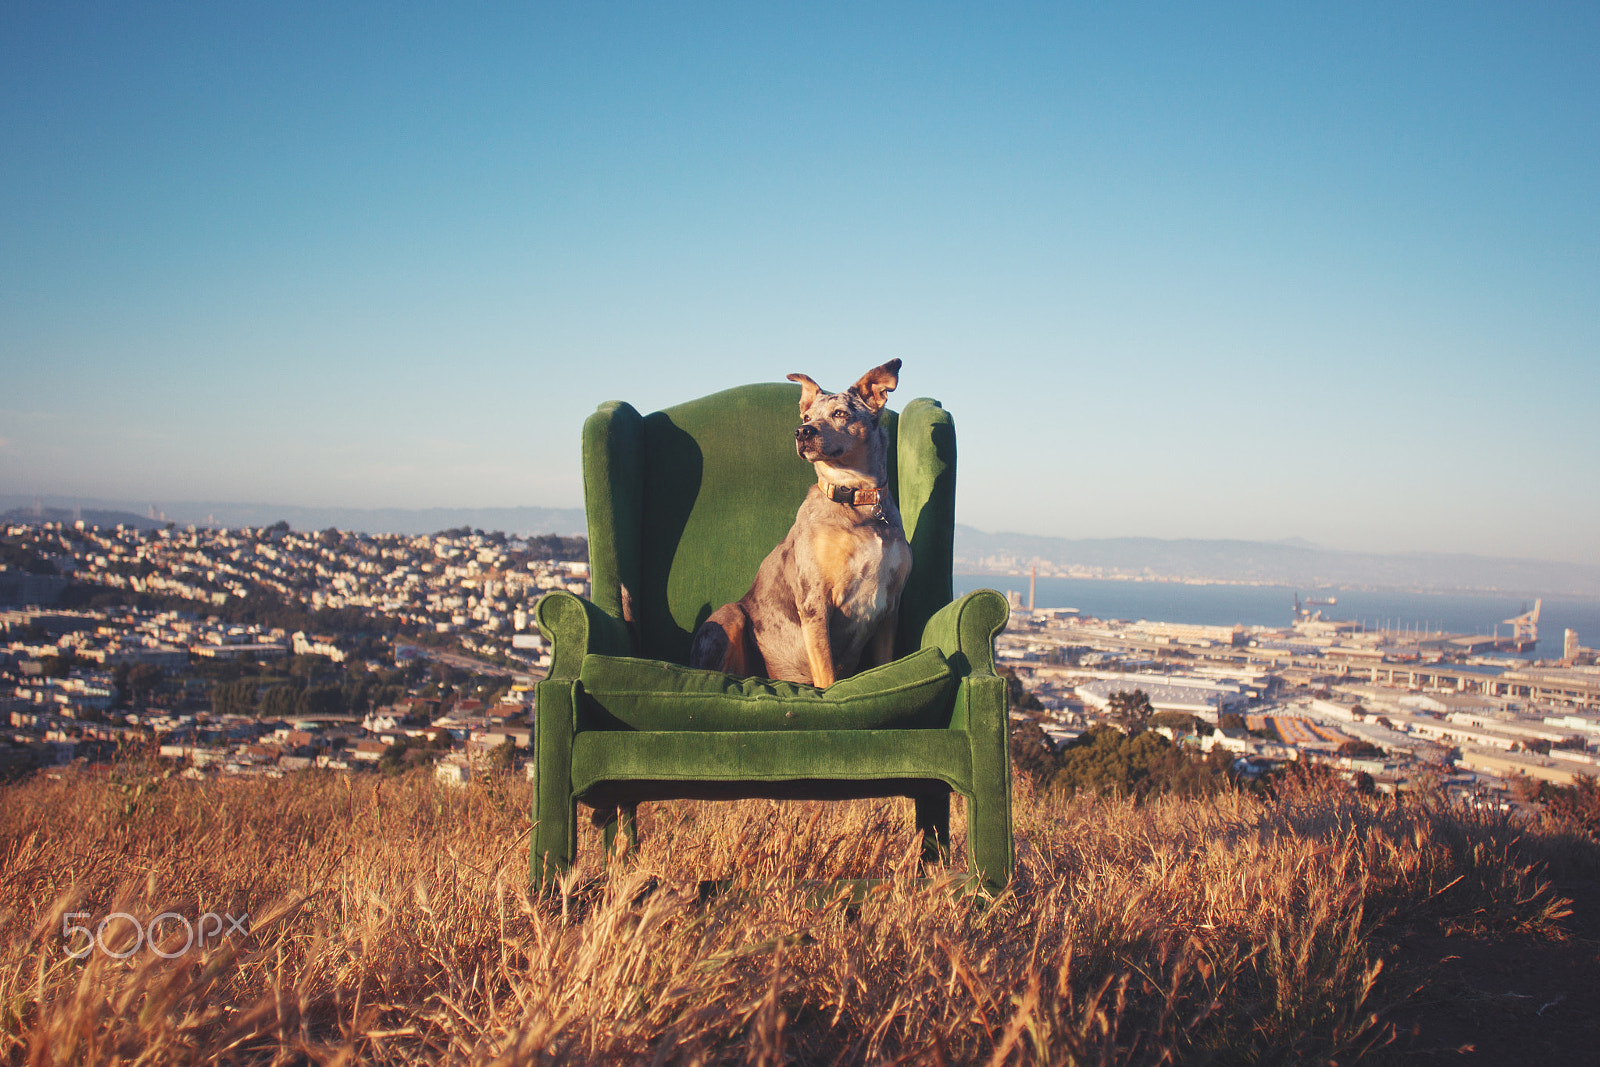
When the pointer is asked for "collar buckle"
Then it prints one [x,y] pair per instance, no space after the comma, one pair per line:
[852,496]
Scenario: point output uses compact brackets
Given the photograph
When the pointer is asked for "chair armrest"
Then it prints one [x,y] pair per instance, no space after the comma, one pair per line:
[576,627]
[964,630]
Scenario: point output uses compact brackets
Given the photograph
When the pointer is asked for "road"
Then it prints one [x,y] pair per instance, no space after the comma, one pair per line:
[464,662]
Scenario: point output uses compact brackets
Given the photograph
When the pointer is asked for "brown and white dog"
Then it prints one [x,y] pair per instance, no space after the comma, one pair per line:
[825,601]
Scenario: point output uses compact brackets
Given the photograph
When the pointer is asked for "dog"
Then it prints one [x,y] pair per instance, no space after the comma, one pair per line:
[826,600]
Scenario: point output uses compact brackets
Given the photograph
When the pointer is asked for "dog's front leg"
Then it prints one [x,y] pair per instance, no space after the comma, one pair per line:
[881,650]
[819,653]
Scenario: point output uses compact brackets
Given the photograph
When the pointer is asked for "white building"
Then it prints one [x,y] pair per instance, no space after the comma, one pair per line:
[1207,702]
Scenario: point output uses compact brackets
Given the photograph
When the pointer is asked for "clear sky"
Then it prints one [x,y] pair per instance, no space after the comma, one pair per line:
[1187,270]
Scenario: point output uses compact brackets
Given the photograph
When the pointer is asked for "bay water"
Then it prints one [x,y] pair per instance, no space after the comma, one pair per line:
[1273,605]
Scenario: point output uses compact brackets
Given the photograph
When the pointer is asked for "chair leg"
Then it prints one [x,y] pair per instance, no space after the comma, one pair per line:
[555,839]
[989,845]
[626,817]
[933,820]
[630,827]
[606,819]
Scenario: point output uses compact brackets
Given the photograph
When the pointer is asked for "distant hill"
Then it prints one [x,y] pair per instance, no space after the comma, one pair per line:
[567,522]
[92,516]
[1293,563]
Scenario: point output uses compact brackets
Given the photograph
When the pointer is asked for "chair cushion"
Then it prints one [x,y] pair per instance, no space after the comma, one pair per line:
[621,693]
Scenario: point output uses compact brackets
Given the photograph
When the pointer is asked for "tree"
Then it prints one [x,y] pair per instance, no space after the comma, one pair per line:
[322,700]
[143,679]
[1032,753]
[1017,696]
[58,666]
[237,697]
[1062,657]
[1131,711]
[1104,760]
[307,667]
[1178,721]
[1360,750]
[552,546]
[279,702]
[417,751]
[503,756]
[448,677]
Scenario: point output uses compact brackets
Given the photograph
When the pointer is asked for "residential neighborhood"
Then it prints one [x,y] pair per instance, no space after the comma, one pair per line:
[265,650]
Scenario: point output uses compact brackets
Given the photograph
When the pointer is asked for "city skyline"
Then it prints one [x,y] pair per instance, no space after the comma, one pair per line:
[1231,273]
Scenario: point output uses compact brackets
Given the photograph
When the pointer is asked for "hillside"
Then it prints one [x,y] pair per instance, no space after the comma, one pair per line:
[389,921]
[1295,563]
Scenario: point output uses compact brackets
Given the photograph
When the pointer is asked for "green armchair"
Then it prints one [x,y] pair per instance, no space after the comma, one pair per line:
[683,505]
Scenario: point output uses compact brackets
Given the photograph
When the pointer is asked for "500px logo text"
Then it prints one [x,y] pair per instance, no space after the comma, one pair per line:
[210,927]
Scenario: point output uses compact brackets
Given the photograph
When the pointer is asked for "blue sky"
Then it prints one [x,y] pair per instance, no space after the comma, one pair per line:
[1178,271]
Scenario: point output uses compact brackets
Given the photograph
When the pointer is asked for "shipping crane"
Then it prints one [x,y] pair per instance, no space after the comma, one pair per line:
[1525,627]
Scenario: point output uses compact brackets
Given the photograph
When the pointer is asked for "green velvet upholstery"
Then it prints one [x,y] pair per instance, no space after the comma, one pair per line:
[622,693]
[683,505]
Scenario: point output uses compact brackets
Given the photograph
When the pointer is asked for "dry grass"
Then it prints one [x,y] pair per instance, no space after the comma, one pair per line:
[390,921]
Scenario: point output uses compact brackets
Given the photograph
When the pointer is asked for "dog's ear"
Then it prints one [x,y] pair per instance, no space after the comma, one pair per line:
[876,385]
[808,390]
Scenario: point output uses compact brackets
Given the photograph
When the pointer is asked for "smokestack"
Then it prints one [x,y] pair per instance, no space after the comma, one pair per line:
[1033,584]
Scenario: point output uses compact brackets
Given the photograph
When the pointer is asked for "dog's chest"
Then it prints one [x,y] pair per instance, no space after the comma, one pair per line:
[864,569]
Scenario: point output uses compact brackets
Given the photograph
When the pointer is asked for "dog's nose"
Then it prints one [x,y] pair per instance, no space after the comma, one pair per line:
[804,432]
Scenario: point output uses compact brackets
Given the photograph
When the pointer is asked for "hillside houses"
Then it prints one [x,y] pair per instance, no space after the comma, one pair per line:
[463,590]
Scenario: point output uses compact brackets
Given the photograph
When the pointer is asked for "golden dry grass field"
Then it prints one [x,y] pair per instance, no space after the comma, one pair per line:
[390,922]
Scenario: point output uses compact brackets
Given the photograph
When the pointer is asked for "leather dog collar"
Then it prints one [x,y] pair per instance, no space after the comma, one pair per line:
[845,494]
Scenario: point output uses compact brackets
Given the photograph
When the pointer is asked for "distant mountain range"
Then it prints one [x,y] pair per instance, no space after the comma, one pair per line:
[567,522]
[1294,562]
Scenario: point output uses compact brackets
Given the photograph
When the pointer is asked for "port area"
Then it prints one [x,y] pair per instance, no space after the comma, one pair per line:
[1407,710]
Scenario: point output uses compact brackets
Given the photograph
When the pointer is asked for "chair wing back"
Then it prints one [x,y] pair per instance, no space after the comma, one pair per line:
[684,504]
